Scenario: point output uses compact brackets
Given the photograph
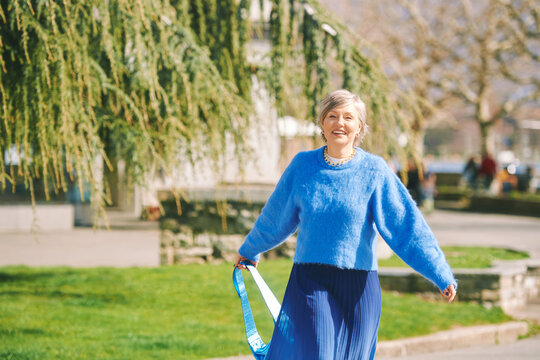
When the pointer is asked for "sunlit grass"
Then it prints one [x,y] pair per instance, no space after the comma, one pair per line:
[472,257]
[180,312]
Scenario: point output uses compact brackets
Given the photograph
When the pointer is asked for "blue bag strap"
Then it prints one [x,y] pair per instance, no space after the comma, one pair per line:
[257,346]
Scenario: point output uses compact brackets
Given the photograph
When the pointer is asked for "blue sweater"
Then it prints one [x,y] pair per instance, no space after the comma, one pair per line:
[337,212]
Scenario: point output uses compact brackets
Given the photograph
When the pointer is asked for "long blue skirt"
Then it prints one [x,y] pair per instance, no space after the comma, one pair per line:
[327,314]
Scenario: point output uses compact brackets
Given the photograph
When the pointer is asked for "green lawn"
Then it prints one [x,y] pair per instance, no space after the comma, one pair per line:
[471,257]
[180,312]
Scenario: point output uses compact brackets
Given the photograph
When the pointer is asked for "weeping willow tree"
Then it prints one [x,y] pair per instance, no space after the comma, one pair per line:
[145,80]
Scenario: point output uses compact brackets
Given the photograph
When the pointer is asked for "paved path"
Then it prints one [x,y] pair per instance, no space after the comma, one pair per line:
[460,228]
[136,243]
[520,350]
[129,242]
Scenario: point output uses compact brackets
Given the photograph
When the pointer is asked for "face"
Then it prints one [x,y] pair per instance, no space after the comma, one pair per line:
[341,125]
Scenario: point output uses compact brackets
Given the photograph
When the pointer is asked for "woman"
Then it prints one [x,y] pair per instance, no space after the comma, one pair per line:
[337,197]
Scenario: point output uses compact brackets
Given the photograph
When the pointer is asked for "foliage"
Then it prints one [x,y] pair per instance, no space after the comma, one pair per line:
[156,82]
[470,257]
[331,53]
[181,312]
[116,79]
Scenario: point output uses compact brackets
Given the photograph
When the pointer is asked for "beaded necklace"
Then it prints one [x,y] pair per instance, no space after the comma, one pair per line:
[337,163]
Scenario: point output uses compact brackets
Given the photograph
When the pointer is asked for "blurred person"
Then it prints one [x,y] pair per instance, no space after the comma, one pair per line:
[487,170]
[429,191]
[414,182]
[470,172]
[524,179]
[337,197]
[507,181]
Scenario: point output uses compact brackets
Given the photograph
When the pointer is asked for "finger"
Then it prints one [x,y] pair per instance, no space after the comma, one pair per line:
[445,293]
[452,296]
[449,293]
[238,264]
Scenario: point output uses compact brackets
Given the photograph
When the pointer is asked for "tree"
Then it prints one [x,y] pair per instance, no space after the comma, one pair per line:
[492,63]
[483,53]
[406,55]
[148,80]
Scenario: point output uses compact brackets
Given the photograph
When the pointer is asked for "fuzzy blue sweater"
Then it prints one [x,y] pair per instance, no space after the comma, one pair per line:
[337,212]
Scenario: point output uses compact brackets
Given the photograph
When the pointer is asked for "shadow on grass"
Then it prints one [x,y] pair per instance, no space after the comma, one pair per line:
[24,276]
[21,331]
[71,298]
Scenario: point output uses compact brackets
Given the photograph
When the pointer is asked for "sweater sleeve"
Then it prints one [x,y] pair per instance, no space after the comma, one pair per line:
[402,226]
[277,221]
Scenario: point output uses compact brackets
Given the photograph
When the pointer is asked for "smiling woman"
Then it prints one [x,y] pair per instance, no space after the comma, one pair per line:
[337,197]
[343,120]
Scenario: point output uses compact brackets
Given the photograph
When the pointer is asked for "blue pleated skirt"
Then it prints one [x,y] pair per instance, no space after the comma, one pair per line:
[327,314]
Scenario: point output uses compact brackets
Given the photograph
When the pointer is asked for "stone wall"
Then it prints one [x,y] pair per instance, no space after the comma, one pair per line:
[504,205]
[464,199]
[212,225]
[508,284]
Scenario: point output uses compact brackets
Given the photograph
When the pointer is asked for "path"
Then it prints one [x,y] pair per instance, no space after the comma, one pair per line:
[461,228]
[129,242]
[136,243]
[520,350]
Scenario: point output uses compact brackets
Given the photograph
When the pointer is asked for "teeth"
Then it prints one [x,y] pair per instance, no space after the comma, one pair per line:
[338,132]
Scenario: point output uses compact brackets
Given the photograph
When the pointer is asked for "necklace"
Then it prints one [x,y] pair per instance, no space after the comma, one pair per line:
[337,163]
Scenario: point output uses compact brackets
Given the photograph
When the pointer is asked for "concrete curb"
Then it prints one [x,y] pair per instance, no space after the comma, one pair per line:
[453,339]
[442,341]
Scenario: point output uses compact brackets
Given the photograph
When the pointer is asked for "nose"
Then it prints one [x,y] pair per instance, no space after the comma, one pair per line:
[341,119]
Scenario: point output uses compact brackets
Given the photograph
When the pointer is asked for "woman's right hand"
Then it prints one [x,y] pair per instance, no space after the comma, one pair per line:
[238,264]
[449,293]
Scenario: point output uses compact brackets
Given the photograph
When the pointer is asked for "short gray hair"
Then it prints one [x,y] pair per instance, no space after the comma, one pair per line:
[341,98]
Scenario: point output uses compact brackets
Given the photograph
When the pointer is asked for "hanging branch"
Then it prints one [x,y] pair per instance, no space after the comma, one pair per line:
[116,79]
[324,42]
[87,83]
[277,54]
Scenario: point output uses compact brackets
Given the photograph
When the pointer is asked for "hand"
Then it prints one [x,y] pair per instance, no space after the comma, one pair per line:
[449,293]
[238,264]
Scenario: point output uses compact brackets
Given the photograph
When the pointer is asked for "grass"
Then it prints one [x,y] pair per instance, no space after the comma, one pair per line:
[470,257]
[179,312]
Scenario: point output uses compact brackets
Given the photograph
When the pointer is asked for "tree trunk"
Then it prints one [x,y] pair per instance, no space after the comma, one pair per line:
[486,138]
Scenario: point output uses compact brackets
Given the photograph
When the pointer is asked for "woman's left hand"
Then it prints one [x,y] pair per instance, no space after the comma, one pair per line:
[449,293]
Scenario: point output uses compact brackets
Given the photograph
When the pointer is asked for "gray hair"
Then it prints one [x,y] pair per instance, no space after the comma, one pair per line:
[341,98]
